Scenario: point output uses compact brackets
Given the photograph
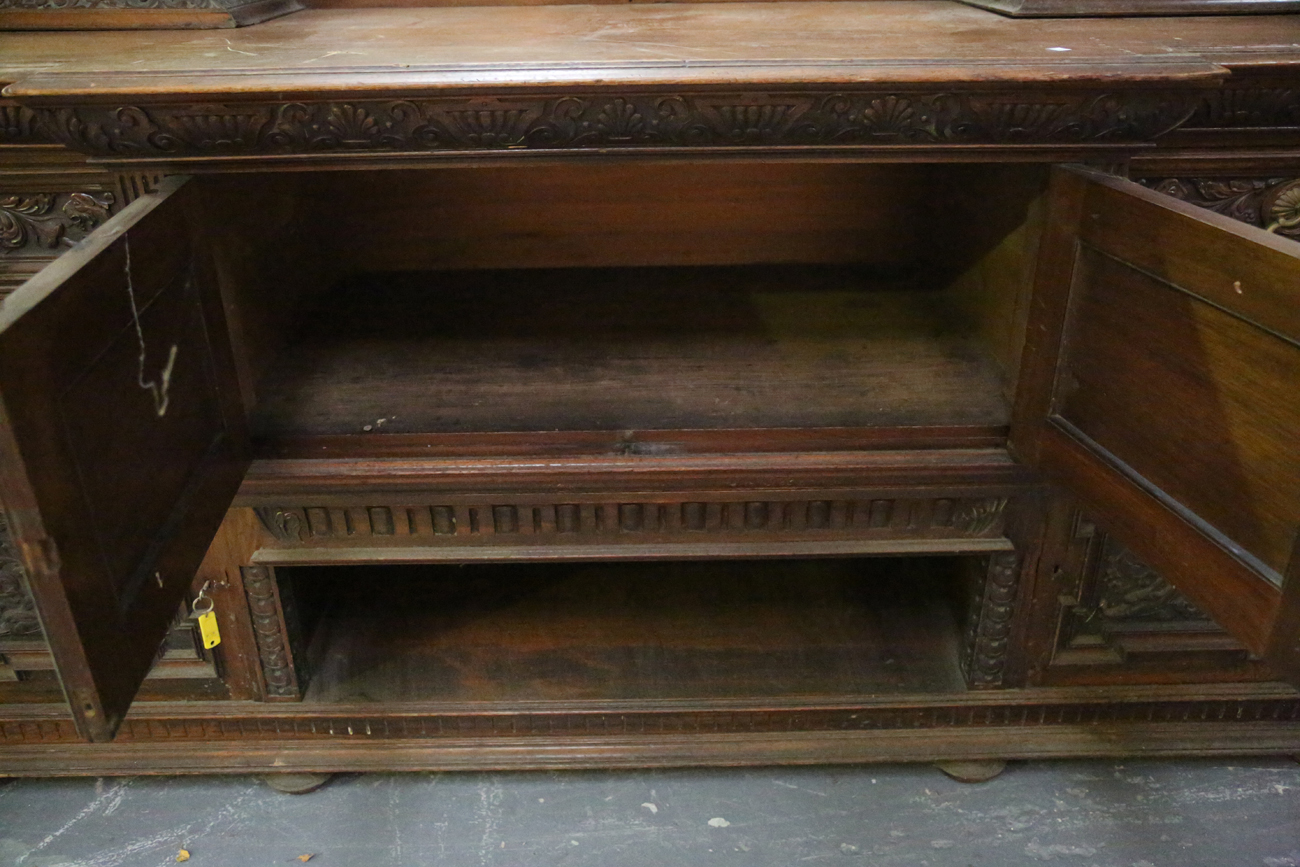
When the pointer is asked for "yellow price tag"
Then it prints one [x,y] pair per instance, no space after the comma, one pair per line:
[208,629]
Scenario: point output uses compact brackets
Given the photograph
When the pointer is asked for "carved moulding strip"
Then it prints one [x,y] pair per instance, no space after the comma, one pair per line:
[324,726]
[21,125]
[1247,108]
[987,638]
[38,222]
[273,632]
[641,120]
[943,517]
[1270,203]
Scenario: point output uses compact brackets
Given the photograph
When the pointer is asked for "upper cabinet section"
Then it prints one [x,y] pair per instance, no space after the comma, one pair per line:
[913,78]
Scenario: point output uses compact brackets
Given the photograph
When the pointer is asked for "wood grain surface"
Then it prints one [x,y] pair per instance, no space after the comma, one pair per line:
[718,44]
[632,631]
[626,349]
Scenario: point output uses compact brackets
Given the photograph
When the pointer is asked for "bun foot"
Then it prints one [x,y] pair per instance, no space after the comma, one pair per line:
[973,771]
[296,784]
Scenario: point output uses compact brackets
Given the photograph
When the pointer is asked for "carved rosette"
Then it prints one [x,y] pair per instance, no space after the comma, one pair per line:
[271,632]
[1272,204]
[621,121]
[48,221]
[988,629]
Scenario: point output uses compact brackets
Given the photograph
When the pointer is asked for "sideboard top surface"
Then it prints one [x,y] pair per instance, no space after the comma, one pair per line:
[330,51]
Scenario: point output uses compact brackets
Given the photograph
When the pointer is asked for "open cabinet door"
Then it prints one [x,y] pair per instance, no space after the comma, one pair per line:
[122,442]
[1161,386]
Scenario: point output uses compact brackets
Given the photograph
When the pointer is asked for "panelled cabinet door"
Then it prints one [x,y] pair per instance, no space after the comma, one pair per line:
[122,442]
[1161,385]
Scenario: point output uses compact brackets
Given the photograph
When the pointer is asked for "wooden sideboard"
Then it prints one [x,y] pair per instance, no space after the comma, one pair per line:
[732,383]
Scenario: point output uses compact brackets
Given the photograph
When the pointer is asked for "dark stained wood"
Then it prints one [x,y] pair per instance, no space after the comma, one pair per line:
[113,490]
[1284,643]
[1104,617]
[666,135]
[1190,397]
[267,254]
[887,41]
[1203,720]
[639,442]
[619,214]
[626,350]
[1166,410]
[236,541]
[889,472]
[610,633]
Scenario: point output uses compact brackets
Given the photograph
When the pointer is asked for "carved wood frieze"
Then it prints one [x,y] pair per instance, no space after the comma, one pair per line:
[1272,204]
[1248,108]
[20,125]
[979,517]
[987,639]
[621,121]
[38,222]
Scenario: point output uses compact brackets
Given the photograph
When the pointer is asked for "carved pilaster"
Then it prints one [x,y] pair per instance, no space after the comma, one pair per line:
[988,627]
[274,632]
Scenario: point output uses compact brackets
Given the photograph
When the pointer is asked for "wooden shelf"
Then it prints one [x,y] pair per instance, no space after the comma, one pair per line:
[628,349]
[641,631]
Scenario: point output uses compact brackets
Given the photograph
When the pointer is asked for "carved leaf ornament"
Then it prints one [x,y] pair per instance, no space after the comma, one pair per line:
[50,220]
[1273,204]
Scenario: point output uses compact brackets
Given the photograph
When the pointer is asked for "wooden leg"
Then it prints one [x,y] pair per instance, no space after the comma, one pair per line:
[972,771]
[296,784]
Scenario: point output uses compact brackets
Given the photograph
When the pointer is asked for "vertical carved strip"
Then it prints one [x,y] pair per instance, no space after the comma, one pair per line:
[988,630]
[273,634]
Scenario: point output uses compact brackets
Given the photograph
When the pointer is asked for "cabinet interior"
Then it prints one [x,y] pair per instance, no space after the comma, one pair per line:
[702,630]
[376,310]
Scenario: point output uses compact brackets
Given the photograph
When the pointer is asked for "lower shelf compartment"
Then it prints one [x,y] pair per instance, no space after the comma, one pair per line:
[820,629]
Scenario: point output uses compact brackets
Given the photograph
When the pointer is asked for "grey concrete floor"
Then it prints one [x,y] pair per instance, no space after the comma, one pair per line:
[1116,814]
